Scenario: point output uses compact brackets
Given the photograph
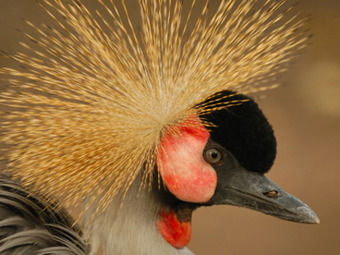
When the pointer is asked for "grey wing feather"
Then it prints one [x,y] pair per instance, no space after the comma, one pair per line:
[29,225]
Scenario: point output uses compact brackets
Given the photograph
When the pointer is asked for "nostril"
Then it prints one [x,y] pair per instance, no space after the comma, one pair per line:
[272,193]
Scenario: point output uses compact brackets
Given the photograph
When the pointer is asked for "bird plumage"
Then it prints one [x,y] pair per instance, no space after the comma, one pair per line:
[29,225]
[130,227]
[105,90]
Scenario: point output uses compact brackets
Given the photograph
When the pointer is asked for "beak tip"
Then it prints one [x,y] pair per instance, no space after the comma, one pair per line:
[316,220]
[313,220]
[309,215]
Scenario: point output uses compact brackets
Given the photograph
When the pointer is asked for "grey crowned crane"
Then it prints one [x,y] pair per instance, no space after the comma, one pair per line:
[130,123]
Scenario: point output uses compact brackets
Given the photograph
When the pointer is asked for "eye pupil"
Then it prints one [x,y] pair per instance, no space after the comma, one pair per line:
[213,156]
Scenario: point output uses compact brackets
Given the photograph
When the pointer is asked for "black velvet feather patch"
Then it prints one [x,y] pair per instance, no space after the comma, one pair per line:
[244,131]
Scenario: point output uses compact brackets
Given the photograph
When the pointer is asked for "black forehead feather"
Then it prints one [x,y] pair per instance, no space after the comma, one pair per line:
[244,131]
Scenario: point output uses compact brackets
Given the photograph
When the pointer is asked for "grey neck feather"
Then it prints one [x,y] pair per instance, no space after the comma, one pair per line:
[28,225]
[130,228]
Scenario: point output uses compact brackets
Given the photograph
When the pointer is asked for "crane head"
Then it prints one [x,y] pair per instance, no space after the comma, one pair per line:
[225,165]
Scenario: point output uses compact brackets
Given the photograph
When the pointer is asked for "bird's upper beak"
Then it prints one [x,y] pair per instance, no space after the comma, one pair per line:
[252,190]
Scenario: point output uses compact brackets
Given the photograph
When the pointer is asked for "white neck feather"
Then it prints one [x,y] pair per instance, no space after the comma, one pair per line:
[130,228]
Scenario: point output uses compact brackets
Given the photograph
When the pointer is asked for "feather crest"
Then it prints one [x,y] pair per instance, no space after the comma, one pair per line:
[88,110]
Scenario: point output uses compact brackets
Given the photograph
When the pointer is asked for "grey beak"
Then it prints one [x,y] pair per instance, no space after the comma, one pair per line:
[243,188]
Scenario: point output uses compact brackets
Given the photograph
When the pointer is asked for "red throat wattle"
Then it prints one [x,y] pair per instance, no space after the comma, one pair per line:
[175,232]
[181,164]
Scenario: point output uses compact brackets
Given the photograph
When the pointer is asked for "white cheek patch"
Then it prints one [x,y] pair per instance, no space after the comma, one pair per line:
[182,166]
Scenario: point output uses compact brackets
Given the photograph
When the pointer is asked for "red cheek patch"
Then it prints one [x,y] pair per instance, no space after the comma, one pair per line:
[182,166]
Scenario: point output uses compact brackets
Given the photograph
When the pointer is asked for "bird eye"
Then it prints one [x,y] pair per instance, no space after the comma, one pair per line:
[213,156]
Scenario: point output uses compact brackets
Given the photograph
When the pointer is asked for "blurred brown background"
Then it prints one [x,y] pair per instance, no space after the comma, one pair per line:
[305,113]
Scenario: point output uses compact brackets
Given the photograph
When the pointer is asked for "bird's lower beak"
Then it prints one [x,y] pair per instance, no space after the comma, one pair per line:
[254,191]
